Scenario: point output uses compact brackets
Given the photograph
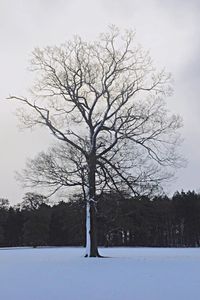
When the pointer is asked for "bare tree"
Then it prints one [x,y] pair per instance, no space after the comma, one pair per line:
[104,101]
[32,201]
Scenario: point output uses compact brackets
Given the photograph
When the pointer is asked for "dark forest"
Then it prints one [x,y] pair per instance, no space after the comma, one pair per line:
[122,221]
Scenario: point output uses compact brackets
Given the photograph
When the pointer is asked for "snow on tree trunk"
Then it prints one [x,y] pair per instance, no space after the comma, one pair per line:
[91,234]
[88,238]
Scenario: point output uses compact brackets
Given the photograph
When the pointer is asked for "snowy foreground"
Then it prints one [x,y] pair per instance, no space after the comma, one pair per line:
[127,273]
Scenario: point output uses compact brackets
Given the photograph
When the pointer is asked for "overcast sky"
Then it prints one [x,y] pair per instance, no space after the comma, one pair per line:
[169,29]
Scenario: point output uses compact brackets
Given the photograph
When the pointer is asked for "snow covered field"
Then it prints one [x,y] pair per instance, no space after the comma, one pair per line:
[128,274]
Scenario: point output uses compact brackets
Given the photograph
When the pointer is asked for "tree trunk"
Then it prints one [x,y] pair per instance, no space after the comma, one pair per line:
[91,232]
[87,225]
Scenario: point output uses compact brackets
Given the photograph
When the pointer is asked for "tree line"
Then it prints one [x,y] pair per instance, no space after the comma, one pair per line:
[122,221]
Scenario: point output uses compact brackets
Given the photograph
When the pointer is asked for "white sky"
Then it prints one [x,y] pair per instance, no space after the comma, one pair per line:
[169,29]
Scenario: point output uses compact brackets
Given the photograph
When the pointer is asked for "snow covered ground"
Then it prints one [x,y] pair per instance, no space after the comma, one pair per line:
[128,274]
